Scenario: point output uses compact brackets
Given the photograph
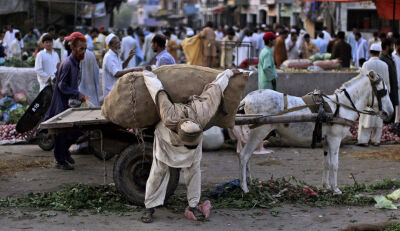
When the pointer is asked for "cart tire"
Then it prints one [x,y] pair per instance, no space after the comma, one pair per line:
[46,142]
[131,170]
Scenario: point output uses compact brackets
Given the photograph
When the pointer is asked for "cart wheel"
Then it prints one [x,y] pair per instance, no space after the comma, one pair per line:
[131,170]
[112,145]
[46,142]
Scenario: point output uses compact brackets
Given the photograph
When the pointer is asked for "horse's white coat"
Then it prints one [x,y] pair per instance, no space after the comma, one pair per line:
[268,102]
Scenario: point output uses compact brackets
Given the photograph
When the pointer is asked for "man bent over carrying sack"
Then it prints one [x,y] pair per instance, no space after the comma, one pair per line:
[178,142]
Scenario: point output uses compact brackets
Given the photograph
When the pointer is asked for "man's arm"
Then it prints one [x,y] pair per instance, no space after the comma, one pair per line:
[131,54]
[123,72]
[63,84]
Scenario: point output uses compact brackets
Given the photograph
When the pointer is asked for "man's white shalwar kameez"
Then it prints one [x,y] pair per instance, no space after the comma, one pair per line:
[168,148]
[370,126]
[90,84]
[165,154]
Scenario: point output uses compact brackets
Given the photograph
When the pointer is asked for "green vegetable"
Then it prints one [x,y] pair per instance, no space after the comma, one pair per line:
[315,57]
[395,227]
[72,199]
[31,61]
[13,62]
[383,203]
[263,194]
[16,114]
[326,56]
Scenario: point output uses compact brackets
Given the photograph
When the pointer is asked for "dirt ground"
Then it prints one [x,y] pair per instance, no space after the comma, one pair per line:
[26,168]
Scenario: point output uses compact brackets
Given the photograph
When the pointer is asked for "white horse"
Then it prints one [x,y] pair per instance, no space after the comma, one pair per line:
[268,102]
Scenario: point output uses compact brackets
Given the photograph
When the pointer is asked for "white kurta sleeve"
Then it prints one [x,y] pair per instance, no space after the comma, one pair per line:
[112,66]
[42,75]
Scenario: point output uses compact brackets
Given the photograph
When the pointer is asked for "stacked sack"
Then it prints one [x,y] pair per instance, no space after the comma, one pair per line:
[130,105]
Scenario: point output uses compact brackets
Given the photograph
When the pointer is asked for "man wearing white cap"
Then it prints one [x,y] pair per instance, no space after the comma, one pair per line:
[113,67]
[178,142]
[370,126]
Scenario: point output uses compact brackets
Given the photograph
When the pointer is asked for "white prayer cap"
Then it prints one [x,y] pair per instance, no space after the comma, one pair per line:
[375,47]
[263,26]
[109,38]
[189,33]
[293,30]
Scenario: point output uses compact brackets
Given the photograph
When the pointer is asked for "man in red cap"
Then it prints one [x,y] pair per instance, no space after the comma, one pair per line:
[266,65]
[65,89]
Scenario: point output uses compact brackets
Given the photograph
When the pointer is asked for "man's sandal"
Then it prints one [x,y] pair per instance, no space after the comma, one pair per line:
[194,213]
[147,216]
[205,208]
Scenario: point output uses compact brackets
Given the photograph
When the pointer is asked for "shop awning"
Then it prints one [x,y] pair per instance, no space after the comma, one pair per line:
[16,6]
[342,1]
[386,8]
[218,9]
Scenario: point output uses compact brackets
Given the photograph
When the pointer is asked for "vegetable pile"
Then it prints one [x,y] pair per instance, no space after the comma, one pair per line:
[8,132]
[96,199]
[263,194]
[272,193]
[13,62]
[388,137]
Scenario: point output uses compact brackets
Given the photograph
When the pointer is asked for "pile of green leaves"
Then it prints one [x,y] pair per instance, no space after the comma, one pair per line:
[395,227]
[16,114]
[262,194]
[268,194]
[13,62]
[97,199]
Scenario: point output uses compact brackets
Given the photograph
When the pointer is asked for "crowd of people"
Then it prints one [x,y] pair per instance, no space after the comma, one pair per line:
[264,47]
[71,64]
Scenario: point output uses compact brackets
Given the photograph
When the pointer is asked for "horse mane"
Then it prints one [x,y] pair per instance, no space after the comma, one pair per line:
[351,81]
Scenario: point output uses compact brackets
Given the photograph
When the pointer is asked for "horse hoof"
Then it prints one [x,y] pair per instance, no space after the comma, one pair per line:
[245,189]
[326,188]
[337,192]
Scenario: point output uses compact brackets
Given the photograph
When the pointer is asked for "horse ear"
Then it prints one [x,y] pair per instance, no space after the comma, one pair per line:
[372,76]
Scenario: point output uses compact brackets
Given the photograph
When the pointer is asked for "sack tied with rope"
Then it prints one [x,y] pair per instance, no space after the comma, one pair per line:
[129,103]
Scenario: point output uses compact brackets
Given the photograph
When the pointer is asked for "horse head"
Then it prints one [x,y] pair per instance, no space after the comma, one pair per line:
[380,95]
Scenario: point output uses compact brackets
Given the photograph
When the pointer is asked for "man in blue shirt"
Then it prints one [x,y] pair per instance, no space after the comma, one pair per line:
[321,43]
[158,44]
[67,87]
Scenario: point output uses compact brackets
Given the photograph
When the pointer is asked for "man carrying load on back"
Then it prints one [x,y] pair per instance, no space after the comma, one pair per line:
[178,142]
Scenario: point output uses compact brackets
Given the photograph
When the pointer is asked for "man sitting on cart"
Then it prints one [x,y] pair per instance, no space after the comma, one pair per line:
[178,142]
[66,88]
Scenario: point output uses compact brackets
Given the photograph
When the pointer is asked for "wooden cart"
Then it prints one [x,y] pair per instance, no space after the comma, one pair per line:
[133,153]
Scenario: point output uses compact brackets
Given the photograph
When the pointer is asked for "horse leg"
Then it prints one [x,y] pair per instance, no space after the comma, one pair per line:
[334,145]
[325,171]
[256,136]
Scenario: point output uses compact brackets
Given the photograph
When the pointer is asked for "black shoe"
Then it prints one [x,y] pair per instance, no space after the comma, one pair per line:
[70,160]
[362,144]
[64,166]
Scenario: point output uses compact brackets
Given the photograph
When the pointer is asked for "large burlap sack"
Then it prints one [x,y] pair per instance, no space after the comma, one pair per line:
[129,103]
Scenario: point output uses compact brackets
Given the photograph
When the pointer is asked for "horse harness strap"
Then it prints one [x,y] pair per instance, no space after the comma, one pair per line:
[310,102]
[314,100]
[337,106]
[351,101]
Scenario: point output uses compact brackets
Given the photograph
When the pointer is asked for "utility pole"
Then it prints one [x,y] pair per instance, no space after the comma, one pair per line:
[93,14]
[394,17]
[75,15]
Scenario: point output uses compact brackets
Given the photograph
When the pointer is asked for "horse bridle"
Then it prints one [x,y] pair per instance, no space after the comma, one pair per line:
[375,92]
[378,93]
